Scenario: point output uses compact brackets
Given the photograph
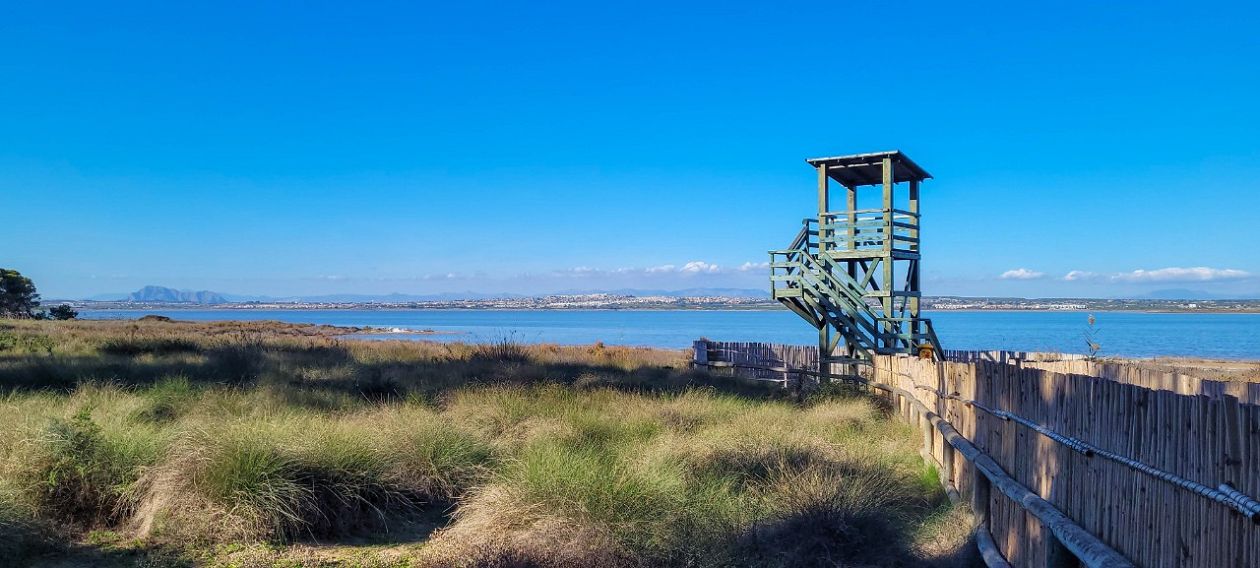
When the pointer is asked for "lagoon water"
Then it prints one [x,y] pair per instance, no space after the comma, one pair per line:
[1134,334]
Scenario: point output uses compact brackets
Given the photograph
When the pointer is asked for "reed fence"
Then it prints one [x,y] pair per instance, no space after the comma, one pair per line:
[1179,383]
[1163,478]
[1064,467]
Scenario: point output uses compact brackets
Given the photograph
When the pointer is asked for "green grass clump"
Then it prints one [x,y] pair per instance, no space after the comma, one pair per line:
[292,474]
[166,400]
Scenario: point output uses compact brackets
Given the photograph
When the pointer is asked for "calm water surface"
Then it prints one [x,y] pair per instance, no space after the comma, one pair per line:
[1120,333]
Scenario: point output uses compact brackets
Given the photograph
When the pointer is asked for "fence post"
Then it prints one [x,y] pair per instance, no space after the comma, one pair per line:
[700,353]
[947,469]
[926,426]
[980,497]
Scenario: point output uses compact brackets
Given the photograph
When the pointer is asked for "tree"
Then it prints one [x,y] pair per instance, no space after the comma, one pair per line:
[62,312]
[18,298]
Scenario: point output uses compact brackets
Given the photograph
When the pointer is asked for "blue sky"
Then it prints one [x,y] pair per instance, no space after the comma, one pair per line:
[399,147]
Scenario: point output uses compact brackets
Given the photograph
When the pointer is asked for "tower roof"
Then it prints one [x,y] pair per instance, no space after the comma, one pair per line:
[867,169]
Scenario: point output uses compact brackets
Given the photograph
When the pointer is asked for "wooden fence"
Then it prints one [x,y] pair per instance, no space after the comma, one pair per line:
[759,361]
[1063,466]
[1160,477]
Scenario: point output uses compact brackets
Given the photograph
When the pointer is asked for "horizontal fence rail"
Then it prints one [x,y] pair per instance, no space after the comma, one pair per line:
[1124,469]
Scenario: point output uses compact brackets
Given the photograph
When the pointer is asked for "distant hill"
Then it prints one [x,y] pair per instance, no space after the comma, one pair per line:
[171,295]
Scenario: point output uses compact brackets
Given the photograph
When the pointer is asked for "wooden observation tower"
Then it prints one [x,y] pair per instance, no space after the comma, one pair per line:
[853,273]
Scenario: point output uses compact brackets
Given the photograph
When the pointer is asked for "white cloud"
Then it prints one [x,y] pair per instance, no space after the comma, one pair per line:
[1079,275]
[690,268]
[751,266]
[700,267]
[1175,274]
[1022,274]
[1170,274]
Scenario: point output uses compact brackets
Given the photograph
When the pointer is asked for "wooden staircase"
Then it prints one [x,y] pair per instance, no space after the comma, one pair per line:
[816,288]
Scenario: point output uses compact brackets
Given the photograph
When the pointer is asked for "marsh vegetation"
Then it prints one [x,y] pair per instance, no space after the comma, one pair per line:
[169,443]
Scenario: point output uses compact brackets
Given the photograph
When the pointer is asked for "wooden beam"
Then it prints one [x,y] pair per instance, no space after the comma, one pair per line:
[913,271]
[824,349]
[888,242]
[870,271]
[824,205]
[851,207]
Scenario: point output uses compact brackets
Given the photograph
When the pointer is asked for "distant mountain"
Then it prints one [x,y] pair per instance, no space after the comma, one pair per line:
[171,295]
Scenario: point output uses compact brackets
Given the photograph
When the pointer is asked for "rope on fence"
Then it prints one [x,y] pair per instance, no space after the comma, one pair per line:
[1243,501]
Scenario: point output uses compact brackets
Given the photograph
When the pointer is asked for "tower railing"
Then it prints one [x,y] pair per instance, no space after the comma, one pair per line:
[867,230]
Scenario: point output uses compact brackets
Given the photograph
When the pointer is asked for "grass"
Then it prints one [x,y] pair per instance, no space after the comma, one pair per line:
[168,443]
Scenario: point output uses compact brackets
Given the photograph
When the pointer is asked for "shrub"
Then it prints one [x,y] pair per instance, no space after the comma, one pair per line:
[78,474]
[62,312]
